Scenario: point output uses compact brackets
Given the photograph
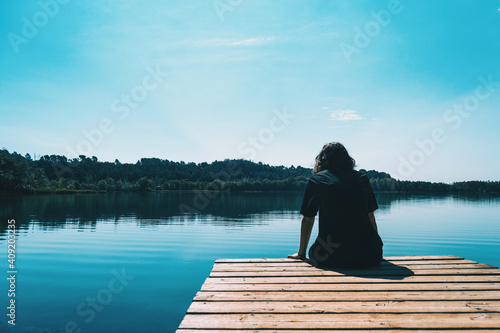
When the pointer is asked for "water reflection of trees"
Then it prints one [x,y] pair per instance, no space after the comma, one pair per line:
[85,210]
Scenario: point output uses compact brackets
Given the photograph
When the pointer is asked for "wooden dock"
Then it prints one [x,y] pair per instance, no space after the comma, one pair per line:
[431,293]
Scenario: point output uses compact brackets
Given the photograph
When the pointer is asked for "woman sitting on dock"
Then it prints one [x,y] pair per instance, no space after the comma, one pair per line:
[348,236]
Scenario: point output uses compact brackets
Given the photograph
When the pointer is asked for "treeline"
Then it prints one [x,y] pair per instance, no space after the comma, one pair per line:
[58,173]
[55,173]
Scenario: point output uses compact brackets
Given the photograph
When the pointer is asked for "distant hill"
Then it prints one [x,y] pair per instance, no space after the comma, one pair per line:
[56,173]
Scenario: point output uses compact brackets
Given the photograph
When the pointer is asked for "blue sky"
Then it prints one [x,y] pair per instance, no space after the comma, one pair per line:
[410,87]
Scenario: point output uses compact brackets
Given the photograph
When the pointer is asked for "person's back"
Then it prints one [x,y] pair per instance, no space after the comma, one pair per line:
[345,202]
[347,237]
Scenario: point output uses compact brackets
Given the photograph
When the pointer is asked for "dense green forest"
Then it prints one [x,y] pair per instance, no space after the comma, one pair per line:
[59,174]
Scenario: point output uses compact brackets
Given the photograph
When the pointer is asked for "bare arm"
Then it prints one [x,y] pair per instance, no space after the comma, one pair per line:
[305,234]
[372,220]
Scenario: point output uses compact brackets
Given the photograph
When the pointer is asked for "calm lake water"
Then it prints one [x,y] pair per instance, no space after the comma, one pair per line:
[132,262]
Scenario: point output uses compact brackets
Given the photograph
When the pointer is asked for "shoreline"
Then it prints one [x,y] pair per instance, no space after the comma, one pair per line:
[74,191]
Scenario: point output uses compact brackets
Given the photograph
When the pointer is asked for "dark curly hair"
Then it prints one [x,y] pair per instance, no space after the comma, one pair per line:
[334,157]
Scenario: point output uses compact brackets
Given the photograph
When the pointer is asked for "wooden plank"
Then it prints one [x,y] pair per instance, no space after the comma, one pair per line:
[299,263]
[366,272]
[253,268]
[342,321]
[335,331]
[350,287]
[487,330]
[345,307]
[390,258]
[347,296]
[435,257]
[355,279]
[258,260]
[383,265]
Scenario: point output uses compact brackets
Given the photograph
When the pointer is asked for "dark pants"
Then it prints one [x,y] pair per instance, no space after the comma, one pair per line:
[345,256]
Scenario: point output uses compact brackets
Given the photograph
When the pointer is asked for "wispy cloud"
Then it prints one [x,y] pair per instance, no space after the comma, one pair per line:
[253,41]
[220,42]
[344,115]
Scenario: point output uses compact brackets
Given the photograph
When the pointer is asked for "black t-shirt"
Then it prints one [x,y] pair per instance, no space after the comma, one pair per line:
[344,201]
